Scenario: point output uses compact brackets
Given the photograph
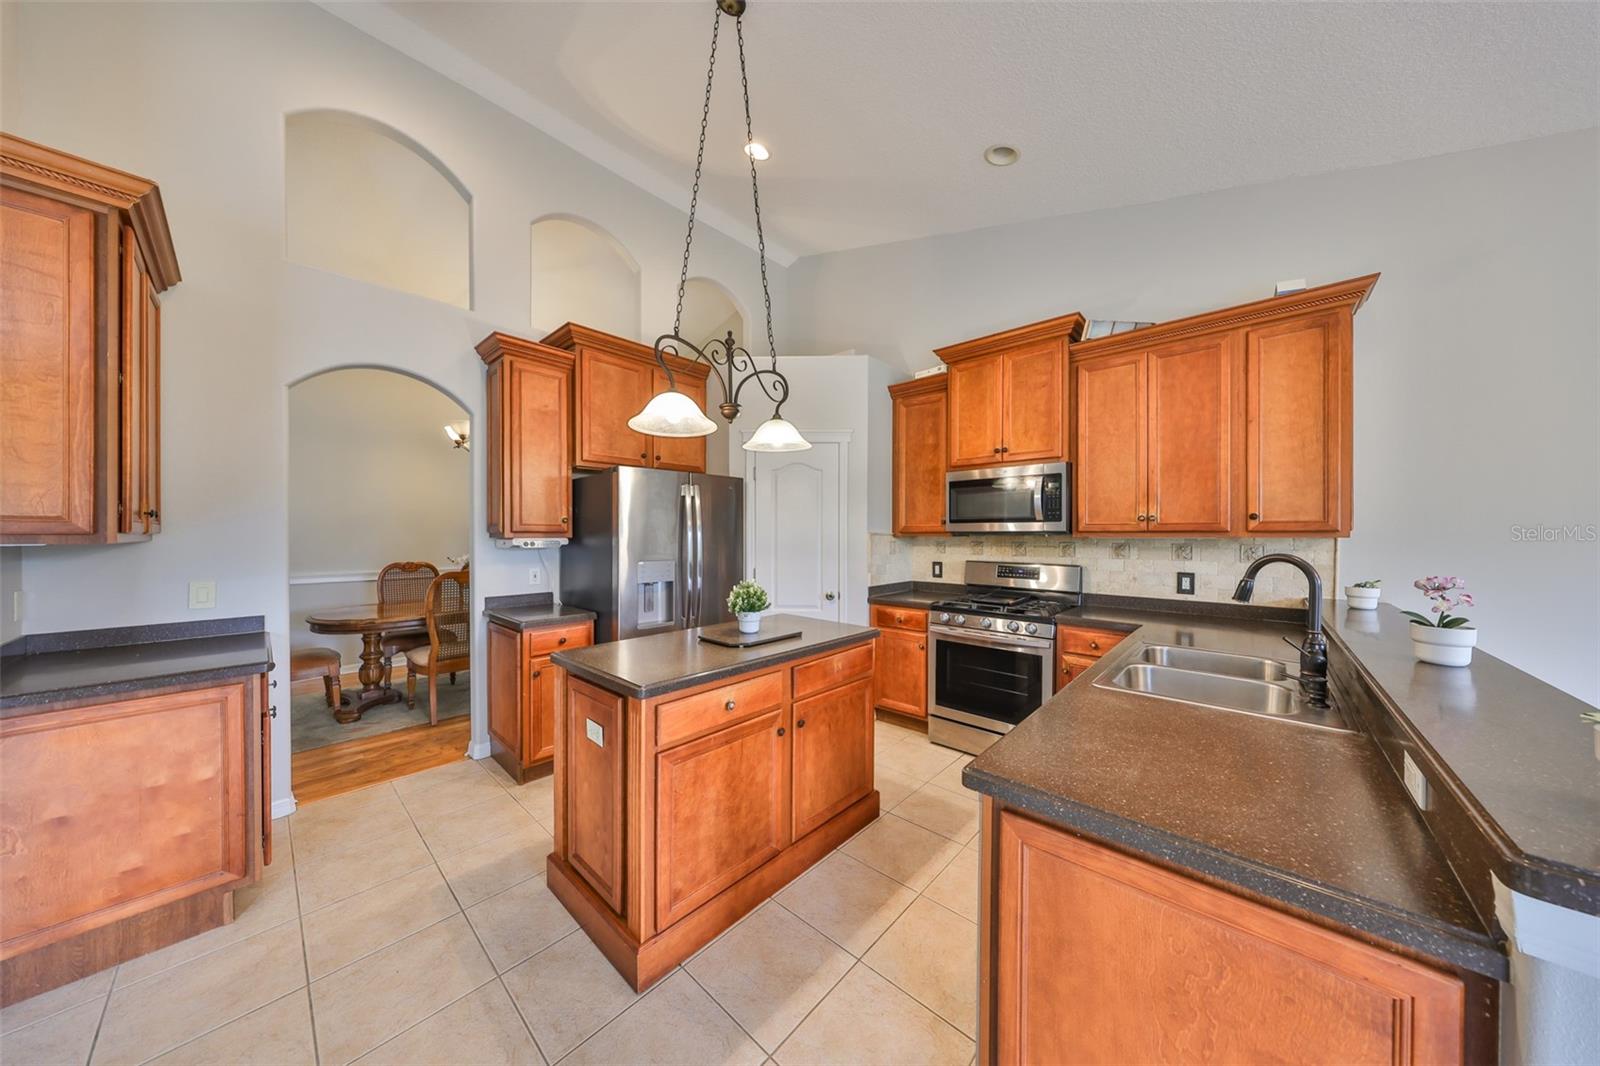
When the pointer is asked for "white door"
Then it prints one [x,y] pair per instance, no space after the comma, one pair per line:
[796,514]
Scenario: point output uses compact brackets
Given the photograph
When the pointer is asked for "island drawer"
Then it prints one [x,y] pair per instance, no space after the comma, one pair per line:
[555,638]
[831,670]
[683,719]
[1091,642]
[885,615]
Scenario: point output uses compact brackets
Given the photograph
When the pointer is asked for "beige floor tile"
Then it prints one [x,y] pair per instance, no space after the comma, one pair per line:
[39,1007]
[62,1039]
[372,999]
[908,853]
[950,777]
[769,971]
[448,832]
[460,770]
[498,772]
[893,787]
[267,903]
[357,865]
[957,886]
[334,822]
[915,758]
[932,954]
[278,1034]
[887,730]
[482,1028]
[342,932]
[865,1019]
[538,797]
[675,1022]
[567,992]
[478,872]
[950,814]
[447,788]
[524,919]
[176,1005]
[848,900]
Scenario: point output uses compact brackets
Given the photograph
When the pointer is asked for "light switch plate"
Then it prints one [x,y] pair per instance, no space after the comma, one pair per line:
[1416,782]
[938,569]
[202,595]
[1185,583]
[595,732]
[16,605]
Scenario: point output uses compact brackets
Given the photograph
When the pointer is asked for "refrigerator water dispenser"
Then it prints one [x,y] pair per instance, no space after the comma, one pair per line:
[655,581]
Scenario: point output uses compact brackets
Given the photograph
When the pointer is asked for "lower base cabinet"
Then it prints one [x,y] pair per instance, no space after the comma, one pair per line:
[1095,956]
[525,691]
[901,680]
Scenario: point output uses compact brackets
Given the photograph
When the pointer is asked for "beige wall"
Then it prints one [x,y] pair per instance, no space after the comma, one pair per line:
[581,274]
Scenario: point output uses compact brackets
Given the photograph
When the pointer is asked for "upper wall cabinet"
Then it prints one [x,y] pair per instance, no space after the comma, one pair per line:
[84,256]
[920,421]
[1232,422]
[615,379]
[1007,394]
[529,393]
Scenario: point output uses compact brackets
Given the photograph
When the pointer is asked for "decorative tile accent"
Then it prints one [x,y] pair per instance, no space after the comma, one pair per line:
[1121,549]
[1182,551]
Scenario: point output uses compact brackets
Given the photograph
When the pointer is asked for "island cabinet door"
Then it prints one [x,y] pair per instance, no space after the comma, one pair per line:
[1103,958]
[832,753]
[592,806]
[722,809]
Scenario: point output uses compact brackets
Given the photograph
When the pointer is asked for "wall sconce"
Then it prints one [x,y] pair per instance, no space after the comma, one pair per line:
[459,434]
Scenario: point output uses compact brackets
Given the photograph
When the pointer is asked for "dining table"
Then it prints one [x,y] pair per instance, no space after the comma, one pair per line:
[372,621]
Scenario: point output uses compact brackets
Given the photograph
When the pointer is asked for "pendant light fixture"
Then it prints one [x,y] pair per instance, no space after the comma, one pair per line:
[673,413]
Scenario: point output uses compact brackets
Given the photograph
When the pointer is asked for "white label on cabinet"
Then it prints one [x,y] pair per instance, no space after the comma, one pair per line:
[1416,783]
[594,732]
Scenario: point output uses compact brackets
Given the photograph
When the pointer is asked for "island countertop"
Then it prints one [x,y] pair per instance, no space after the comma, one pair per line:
[646,667]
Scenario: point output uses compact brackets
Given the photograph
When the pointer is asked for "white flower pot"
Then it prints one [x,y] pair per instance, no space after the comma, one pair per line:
[1443,647]
[1361,599]
[749,621]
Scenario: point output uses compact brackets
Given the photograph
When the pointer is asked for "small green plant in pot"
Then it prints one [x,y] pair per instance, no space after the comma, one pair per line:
[747,600]
[1363,595]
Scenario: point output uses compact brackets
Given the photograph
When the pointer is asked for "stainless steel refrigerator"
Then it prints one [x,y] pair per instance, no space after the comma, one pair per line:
[653,550]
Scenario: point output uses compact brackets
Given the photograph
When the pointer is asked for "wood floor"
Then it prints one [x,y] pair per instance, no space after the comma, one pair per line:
[323,772]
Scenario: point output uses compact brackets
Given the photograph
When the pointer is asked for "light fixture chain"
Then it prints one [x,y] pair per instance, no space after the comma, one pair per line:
[699,165]
[755,191]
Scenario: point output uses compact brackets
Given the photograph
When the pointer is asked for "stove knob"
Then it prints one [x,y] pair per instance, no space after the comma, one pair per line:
[1013,625]
[944,616]
[987,623]
[1031,629]
[960,619]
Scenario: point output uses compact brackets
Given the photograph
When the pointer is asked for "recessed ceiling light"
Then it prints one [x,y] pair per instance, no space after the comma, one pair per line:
[757,151]
[1000,155]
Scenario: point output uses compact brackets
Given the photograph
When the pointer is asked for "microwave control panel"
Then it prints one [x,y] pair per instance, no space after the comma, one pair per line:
[1050,499]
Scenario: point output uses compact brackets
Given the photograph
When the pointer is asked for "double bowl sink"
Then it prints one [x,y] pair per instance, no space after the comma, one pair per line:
[1221,681]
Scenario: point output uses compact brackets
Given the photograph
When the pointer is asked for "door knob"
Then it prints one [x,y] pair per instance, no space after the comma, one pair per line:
[827,595]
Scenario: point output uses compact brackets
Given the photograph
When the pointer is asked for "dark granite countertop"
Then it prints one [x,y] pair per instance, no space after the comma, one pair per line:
[1315,819]
[644,667]
[914,593]
[535,611]
[47,668]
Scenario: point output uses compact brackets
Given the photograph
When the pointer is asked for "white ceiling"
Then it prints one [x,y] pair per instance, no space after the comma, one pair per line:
[877,113]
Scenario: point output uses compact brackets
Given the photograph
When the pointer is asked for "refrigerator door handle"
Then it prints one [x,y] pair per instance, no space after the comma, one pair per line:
[699,556]
[686,539]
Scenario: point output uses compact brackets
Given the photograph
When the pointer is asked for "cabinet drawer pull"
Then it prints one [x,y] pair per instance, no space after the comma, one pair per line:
[997,451]
[536,673]
[1254,517]
[1095,644]
[658,458]
[922,647]
[1141,518]
[563,519]
[780,730]
[561,640]
[728,705]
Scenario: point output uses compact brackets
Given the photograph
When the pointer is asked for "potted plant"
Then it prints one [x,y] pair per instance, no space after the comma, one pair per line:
[1446,640]
[1363,595]
[1593,718]
[747,600]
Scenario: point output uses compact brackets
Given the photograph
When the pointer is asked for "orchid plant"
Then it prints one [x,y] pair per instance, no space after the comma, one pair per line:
[1447,593]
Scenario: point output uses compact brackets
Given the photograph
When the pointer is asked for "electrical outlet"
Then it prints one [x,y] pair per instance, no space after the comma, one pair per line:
[1415,781]
[16,606]
[1185,583]
[202,595]
[535,576]
[938,570]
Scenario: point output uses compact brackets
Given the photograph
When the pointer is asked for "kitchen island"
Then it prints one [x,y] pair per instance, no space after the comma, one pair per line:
[692,781]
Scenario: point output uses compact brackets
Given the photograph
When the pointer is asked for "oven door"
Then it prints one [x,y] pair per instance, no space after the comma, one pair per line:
[988,680]
[1011,499]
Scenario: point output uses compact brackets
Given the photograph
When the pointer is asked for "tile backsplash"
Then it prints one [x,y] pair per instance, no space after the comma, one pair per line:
[1116,567]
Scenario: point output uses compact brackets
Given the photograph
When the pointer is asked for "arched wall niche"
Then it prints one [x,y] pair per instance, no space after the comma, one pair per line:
[581,273]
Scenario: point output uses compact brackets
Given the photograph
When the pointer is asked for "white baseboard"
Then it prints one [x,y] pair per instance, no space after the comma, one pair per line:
[478,750]
[283,808]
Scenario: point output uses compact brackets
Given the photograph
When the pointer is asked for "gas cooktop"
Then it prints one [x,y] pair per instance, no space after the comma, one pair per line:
[1028,601]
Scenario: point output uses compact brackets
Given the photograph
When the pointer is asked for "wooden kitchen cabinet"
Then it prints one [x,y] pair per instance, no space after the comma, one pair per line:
[1072,926]
[832,753]
[1233,422]
[84,255]
[1078,648]
[525,691]
[615,378]
[1007,395]
[529,394]
[901,676]
[919,450]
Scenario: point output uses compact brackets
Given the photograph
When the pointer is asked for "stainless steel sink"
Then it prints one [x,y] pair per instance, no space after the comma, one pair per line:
[1215,662]
[1220,681]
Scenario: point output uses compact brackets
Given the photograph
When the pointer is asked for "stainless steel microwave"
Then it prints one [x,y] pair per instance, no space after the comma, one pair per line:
[1010,499]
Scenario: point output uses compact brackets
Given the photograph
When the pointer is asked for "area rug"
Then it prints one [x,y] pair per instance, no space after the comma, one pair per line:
[312,724]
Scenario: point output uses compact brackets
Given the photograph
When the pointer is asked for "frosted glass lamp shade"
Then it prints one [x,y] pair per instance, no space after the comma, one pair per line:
[776,435]
[672,414]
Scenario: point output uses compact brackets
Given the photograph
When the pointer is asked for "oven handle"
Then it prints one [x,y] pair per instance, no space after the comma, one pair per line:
[995,640]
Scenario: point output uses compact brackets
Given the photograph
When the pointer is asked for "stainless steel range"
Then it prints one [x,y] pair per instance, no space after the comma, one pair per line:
[992,656]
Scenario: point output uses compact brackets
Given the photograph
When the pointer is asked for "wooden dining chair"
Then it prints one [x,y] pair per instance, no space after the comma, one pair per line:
[449,613]
[403,583]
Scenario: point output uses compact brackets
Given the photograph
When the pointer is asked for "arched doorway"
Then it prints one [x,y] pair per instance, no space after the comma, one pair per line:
[379,474]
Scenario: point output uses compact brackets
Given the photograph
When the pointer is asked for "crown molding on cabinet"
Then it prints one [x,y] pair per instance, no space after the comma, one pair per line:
[1063,327]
